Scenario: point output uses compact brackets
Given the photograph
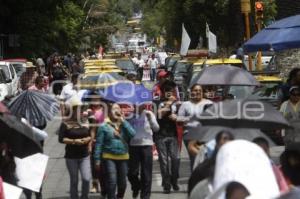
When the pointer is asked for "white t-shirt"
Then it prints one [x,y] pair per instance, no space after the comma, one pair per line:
[140,63]
[144,129]
[188,110]
[153,63]
[68,91]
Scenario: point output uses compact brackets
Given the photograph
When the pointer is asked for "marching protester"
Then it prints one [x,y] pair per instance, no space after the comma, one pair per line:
[290,110]
[140,152]
[205,170]
[75,134]
[111,150]
[153,63]
[140,64]
[190,110]
[39,84]
[166,139]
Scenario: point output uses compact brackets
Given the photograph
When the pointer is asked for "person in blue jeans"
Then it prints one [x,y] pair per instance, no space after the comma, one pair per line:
[140,151]
[76,135]
[111,150]
[166,139]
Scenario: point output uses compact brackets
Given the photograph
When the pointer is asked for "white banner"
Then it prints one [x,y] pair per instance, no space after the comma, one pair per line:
[31,171]
[11,191]
[185,42]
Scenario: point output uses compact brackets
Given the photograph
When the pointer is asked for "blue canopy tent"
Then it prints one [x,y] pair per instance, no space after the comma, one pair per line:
[281,35]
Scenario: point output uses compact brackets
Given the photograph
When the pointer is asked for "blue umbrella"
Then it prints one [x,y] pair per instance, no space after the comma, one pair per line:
[127,92]
[281,35]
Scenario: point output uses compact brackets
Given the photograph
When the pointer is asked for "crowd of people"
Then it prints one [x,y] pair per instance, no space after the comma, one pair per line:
[106,147]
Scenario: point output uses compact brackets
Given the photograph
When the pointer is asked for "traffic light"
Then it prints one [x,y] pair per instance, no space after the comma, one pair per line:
[259,10]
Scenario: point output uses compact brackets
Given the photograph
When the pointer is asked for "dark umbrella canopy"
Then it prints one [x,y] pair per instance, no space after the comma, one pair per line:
[281,35]
[207,133]
[224,75]
[243,114]
[19,136]
[35,106]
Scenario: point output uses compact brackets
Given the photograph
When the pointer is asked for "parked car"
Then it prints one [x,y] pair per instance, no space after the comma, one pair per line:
[3,86]
[10,77]
[181,76]
[126,65]
[19,64]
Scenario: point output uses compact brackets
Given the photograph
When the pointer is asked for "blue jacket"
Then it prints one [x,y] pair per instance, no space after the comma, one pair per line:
[107,142]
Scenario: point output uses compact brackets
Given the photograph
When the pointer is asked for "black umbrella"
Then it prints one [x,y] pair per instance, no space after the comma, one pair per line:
[207,133]
[18,136]
[243,114]
[224,75]
[37,107]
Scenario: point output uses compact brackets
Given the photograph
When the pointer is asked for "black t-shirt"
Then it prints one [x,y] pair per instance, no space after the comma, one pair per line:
[167,126]
[73,131]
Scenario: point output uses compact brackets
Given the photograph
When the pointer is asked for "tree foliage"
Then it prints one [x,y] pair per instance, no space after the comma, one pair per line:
[45,26]
[223,16]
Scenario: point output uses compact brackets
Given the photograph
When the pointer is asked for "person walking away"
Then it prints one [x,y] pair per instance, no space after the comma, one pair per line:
[166,140]
[153,63]
[291,111]
[39,85]
[140,152]
[75,134]
[140,64]
[111,149]
[188,110]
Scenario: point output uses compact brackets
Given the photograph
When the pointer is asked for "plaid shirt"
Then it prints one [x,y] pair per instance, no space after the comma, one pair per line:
[27,79]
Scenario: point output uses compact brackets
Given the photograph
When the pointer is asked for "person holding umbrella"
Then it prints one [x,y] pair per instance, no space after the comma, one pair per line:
[76,135]
[111,150]
[189,109]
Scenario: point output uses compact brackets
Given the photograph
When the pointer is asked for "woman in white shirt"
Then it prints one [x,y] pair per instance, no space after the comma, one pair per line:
[189,110]
[140,152]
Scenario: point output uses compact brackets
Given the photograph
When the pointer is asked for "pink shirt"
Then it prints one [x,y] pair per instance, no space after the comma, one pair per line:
[34,88]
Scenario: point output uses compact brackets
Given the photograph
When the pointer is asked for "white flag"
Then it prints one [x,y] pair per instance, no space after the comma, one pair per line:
[207,30]
[185,42]
[212,42]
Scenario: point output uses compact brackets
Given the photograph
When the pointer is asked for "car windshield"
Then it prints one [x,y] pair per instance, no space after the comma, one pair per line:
[6,71]
[19,69]
[267,91]
[125,64]
[181,67]
[240,92]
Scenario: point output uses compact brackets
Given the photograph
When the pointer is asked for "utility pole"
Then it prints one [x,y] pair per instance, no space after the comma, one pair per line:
[259,8]
[246,9]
